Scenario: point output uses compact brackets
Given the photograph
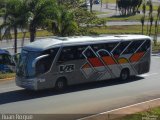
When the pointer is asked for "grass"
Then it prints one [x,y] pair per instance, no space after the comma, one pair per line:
[99,12]
[6,75]
[124,29]
[155,7]
[109,1]
[40,33]
[150,114]
[136,17]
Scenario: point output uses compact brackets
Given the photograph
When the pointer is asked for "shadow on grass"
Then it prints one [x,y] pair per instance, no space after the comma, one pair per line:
[122,16]
[22,95]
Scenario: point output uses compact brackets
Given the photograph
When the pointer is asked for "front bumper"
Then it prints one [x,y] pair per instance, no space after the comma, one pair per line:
[26,83]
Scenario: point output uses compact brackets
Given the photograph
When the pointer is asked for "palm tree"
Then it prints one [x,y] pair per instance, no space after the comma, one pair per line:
[91,3]
[63,23]
[142,22]
[40,11]
[151,21]
[143,17]
[13,19]
[150,14]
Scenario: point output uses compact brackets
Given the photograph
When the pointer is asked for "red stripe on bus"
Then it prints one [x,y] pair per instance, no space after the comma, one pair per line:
[95,62]
[136,57]
[108,60]
[86,66]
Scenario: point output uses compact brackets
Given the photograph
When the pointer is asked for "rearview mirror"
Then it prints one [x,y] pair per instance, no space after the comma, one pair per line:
[38,58]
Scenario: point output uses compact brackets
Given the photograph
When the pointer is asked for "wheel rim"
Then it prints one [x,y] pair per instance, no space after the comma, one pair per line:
[124,75]
[60,84]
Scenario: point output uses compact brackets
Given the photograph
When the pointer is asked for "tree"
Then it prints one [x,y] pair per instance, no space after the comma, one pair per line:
[142,22]
[91,4]
[128,7]
[151,23]
[143,17]
[40,11]
[150,15]
[14,18]
[63,22]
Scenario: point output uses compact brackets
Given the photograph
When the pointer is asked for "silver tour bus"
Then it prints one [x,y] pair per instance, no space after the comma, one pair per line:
[61,61]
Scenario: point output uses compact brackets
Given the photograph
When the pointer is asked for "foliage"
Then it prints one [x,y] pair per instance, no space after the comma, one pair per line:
[63,18]
[128,7]
[14,18]
[63,22]
[6,75]
[40,10]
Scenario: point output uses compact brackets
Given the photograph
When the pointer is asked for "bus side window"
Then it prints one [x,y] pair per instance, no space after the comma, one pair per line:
[44,64]
[97,47]
[110,46]
[71,53]
[133,47]
[119,49]
[145,46]
[65,55]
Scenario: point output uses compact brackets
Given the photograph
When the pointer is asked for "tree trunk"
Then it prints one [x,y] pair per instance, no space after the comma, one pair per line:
[32,31]
[23,38]
[15,39]
[91,1]
[142,29]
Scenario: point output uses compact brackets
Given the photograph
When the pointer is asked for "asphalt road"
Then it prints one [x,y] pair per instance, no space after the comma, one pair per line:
[82,100]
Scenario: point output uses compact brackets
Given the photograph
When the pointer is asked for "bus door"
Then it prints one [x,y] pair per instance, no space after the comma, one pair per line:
[69,63]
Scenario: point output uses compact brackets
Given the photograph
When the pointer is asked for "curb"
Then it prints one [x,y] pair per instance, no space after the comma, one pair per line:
[128,110]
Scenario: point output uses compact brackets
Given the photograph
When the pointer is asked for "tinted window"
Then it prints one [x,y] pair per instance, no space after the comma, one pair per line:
[5,59]
[110,46]
[72,53]
[119,49]
[145,46]
[97,47]
[44,64]
[103,53]
[133,47]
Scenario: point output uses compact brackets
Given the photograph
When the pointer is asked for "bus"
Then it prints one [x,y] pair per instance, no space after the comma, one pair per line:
[60,61]
[6,62]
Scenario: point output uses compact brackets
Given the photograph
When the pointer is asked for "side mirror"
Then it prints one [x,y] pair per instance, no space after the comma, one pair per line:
[38,58]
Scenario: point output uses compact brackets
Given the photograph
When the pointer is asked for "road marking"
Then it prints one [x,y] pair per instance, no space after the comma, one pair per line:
[118,109]
[148,74]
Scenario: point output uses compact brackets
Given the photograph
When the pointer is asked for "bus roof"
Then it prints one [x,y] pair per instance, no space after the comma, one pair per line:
[46,43]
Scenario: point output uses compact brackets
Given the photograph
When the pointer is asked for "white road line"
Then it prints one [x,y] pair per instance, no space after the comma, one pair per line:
[119,109]
[148,74]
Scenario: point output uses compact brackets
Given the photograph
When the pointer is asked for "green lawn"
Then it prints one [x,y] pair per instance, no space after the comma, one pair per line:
[136,17]
[109,1]
[151,114]
[125,29]
[6,75]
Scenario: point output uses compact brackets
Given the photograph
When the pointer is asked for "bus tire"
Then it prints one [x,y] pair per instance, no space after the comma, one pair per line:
[125,74]
[61,84]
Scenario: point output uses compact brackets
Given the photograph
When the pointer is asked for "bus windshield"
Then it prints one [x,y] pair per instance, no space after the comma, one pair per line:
[25,63]
[25,66]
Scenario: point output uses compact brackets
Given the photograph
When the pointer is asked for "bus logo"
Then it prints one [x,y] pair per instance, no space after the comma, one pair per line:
[66,68]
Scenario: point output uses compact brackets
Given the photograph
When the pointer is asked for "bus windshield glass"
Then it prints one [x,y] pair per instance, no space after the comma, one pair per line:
[27,58]
[25,63]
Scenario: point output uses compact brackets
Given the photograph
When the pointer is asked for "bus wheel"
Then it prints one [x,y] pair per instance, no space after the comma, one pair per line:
[124,74]
[61,84]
